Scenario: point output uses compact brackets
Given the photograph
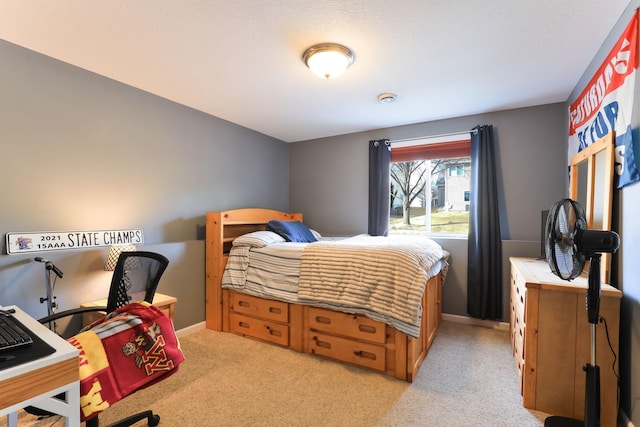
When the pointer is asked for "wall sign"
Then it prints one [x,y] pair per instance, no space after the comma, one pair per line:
[606,104]
[18,243]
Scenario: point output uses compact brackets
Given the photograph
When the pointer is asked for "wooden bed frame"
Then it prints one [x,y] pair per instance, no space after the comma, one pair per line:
[354,339]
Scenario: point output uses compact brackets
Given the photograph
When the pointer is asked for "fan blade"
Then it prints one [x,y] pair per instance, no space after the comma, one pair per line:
[561,223]
[566,226]
[564,261]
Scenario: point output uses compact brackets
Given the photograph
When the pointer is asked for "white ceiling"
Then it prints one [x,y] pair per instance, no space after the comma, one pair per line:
[240,60]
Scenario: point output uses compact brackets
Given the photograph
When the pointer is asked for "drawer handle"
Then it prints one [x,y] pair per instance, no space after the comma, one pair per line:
[274,332]
[243,325]
[367,329]
[323,320]
[242,303]
[365,355]
[275,310]
[322,344]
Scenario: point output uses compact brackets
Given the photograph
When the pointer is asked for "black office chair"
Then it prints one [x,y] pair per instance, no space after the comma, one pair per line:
[135,278]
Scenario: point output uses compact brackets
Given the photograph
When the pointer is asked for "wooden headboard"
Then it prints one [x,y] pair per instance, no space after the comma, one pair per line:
[222,228]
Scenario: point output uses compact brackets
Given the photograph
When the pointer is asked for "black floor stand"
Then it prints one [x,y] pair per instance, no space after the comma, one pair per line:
[592,384]
[556,421]
[592,404]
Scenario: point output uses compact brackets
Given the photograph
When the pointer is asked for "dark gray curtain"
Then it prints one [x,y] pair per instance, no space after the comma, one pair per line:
[484,272]
[379,163]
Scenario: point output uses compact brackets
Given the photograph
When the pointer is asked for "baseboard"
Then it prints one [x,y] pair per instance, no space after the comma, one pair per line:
[494,324]
[623,420]
[191,329]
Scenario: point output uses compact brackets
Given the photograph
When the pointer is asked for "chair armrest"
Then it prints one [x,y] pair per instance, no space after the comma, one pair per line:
[71,312]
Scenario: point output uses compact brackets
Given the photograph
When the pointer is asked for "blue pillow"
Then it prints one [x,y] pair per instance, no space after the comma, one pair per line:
[292,231]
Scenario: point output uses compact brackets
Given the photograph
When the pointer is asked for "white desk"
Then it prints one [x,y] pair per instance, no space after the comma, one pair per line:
[35,383]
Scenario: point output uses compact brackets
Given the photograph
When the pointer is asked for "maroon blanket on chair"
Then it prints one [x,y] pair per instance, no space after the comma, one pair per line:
[130,348]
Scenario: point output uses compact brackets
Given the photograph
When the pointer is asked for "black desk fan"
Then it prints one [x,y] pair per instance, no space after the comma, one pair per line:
[568,245]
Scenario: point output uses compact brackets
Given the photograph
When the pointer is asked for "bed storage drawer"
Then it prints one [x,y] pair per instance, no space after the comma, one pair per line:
[258,328]
[350,325]
[264,308]
[354,352]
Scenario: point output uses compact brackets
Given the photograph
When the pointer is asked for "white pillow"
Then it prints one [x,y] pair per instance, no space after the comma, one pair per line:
[258,239]
[315,234]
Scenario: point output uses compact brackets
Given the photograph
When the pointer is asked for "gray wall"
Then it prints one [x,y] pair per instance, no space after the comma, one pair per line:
[329,183]
[82,152]
[626,267]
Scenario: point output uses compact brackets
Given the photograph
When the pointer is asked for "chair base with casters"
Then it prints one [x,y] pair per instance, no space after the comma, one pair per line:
[152,420]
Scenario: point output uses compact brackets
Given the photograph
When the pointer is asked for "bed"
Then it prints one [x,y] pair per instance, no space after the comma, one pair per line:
[302,315]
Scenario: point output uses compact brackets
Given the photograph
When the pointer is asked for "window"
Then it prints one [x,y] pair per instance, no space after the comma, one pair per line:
[430,187]
[456,170]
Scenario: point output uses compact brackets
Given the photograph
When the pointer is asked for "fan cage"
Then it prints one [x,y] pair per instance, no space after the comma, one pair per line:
[565,220]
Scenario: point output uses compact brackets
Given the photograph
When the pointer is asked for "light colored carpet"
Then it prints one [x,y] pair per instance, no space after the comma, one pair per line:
[468,379]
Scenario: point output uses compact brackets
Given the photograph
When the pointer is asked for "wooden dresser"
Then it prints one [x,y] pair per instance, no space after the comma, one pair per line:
[551,340]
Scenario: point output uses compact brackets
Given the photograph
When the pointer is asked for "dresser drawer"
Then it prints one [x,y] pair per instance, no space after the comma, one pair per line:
[355,352]
[265,330]
[277,311]
[518,322]
[512,317]
[518,353]
[353,326]
[518,303]
[520,289]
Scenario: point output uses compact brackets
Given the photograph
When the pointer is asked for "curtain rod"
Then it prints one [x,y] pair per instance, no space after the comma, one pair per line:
[442,135]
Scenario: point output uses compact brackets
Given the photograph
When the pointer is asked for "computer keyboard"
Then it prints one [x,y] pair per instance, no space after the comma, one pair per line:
[13,334]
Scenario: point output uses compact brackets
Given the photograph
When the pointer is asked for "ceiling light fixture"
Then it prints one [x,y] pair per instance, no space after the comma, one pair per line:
[328,60]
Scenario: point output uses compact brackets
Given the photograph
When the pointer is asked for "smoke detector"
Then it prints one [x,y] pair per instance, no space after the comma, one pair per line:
[387,98]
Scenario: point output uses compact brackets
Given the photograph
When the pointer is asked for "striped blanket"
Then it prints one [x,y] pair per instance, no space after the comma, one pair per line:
[381,274]
[359,274]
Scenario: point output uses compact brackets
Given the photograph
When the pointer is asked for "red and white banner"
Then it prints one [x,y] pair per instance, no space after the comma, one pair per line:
[606,105]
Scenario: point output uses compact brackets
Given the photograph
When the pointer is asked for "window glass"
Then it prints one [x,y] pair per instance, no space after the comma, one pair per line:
[430,195]
[456,170]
